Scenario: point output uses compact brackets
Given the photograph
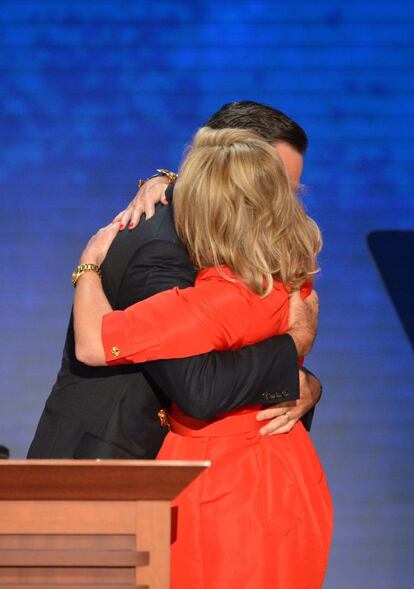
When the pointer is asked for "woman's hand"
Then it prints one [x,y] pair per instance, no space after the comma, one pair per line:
[99,244]
[146,198]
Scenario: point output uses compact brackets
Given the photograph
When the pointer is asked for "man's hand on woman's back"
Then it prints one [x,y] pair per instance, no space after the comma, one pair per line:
[303,321]
[282,417]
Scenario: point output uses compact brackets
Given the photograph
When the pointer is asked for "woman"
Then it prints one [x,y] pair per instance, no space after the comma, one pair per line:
[261,516]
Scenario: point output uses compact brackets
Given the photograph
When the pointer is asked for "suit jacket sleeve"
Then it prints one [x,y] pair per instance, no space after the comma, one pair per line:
[214,382]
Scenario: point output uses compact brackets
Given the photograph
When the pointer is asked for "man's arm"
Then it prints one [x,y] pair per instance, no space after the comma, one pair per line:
[212,383]
[284,415]
[218,381]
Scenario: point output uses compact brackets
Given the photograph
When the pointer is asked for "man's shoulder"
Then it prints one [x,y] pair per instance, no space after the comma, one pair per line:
[160,226]
[141,242]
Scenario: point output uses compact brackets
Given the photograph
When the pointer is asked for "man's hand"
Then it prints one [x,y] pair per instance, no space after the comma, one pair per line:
[284,415]
[303,321]
[144,201]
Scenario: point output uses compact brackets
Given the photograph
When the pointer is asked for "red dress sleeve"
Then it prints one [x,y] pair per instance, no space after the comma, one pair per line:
[215,314]
[178,323]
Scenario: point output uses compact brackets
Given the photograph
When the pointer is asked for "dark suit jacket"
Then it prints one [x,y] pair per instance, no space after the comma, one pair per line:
[111,412]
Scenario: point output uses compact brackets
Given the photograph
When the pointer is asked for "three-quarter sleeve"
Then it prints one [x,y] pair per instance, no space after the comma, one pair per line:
[177,323]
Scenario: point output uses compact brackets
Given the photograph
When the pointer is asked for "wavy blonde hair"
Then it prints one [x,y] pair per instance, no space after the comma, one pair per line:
[234,206]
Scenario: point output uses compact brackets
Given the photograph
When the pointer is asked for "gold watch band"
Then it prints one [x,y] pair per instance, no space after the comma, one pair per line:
[82,268]
[171,176]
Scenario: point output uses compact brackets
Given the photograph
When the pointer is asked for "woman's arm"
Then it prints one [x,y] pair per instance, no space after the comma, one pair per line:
[172,324]
[90,303]
[178,323]
[89,306]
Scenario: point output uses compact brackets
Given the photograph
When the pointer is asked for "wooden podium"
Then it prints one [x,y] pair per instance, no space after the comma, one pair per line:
[83,523]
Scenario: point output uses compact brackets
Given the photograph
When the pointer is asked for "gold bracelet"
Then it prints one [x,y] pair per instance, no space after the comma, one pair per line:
[79,270]
[171,176]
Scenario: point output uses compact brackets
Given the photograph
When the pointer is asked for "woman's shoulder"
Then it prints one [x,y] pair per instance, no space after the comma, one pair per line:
[224,280]
[216,273]
[223,274]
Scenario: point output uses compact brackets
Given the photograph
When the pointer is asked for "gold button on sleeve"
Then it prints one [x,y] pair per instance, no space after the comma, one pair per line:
[115,351]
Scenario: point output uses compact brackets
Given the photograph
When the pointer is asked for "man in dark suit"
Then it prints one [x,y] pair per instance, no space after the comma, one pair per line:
[112,412]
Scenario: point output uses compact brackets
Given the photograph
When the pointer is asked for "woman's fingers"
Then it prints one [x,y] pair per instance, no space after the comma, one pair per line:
[149,207]
[134,213]
[148,196]
[123,217]
[99,244]
[150,193]
[117,219]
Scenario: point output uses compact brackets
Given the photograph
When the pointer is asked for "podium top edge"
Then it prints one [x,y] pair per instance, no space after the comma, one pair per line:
[106,462]
[96,480]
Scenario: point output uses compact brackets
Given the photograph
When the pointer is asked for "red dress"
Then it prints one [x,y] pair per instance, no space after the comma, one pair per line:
[261,516]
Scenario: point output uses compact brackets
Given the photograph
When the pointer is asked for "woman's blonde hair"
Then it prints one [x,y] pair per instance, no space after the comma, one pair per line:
[234,206]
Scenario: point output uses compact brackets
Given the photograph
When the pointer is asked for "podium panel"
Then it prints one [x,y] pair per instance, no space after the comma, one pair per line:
[95,524]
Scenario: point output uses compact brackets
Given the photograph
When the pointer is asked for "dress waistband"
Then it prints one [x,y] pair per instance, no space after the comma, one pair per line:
[233,423]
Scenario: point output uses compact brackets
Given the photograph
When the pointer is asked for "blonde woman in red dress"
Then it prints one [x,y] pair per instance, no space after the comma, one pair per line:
[261,516]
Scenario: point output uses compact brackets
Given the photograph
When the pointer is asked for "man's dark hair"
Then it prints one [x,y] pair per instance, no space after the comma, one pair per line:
[271,124]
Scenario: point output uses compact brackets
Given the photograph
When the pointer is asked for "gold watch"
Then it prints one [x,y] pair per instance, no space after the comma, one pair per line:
[79,270]
[171,176]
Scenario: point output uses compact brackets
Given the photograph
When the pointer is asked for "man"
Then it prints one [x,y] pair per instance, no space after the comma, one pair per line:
[112,412]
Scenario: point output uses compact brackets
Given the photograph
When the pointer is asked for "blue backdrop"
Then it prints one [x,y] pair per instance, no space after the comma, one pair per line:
[95,95]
